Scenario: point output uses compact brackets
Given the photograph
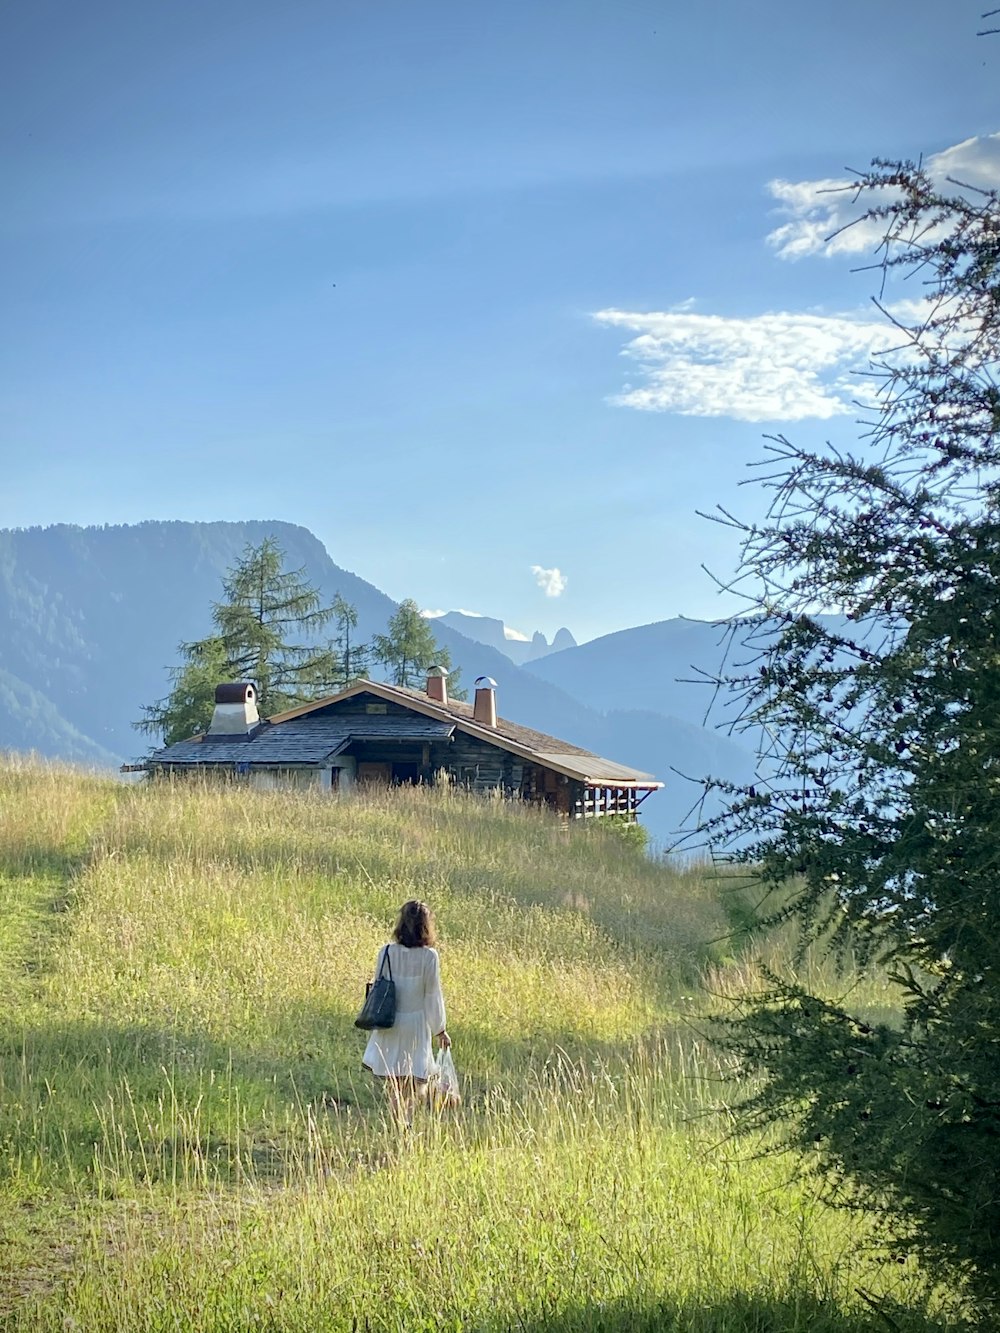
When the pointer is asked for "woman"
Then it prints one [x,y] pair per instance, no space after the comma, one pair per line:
[401,1055]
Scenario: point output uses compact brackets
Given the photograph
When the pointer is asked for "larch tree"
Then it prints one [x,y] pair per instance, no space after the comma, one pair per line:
[258,624]
[408,648]
[187,710]
[352,657]
[875,821]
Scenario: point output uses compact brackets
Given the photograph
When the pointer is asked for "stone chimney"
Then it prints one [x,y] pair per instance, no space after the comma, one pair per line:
[437,684]
[235,710]
[484,709]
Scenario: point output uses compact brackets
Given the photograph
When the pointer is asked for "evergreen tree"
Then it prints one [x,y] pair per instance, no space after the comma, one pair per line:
[408,648]
[264,603]
[351,658]
[187,710]
[263,606]
[875,822]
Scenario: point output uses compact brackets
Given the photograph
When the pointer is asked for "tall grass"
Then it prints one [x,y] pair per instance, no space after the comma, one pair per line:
[188,1141]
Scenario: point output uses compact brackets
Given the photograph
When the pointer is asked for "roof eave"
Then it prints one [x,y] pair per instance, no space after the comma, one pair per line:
[525,751]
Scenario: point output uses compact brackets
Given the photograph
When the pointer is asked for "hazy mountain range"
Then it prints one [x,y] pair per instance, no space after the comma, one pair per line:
[90,620]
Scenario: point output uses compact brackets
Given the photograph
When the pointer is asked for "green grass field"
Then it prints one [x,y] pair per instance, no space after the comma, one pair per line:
[187,1140]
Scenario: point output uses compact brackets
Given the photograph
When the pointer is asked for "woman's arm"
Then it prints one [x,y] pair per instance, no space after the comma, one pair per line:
[434,1010]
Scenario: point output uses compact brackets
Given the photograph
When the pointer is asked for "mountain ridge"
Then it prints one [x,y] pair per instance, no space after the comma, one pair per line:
[493,632]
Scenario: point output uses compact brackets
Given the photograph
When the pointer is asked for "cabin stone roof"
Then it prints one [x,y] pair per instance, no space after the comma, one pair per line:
[303,740]
[314,733]
[537,746]
[512,731]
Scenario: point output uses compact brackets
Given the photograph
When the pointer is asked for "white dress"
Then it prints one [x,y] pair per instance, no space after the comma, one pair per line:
[404,1050]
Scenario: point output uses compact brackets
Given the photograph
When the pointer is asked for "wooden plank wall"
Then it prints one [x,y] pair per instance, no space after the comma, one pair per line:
[482,767]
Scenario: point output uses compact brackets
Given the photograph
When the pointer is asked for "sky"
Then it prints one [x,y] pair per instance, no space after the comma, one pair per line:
[494,299]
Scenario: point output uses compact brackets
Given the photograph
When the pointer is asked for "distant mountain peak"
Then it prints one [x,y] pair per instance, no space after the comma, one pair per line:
[495,634]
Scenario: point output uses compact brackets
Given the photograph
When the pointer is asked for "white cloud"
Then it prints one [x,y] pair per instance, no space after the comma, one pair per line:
[515,635]
[774,367]
[432,615]
[818,211]
[551,581]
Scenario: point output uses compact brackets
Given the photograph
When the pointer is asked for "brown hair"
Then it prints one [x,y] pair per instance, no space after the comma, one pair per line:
[415,925]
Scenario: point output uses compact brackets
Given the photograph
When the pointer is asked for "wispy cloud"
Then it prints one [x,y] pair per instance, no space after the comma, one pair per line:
[551,581]
[820,213]
[773,367]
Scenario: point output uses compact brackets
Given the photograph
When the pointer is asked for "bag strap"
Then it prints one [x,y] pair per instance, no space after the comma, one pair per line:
[386,962]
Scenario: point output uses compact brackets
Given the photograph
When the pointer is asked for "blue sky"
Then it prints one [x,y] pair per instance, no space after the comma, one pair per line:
[493,298]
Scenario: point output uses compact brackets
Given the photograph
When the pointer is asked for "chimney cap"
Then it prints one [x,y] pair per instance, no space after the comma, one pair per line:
[235,692]
[437,671]
[485,683]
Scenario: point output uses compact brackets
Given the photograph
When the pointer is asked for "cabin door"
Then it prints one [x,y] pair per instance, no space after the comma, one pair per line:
[375,773]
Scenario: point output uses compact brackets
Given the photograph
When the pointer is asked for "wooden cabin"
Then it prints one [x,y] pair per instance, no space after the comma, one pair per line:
[390,734]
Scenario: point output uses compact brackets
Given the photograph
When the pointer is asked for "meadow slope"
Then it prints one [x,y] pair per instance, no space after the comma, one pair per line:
[188,1142]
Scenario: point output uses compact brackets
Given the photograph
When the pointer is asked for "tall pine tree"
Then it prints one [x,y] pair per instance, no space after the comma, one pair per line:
[264,605]
[352,657]
[408,648]
[258,622]
[875,821]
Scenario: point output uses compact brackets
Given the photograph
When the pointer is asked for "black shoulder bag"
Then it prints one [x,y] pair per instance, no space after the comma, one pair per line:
[379,1008]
